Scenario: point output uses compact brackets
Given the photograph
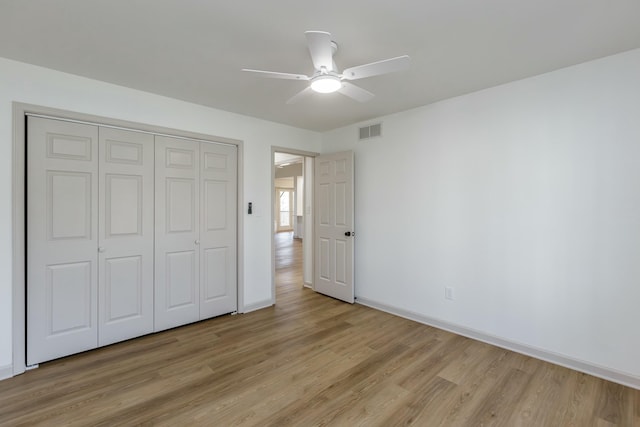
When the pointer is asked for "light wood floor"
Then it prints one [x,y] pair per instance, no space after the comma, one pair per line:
[310,360]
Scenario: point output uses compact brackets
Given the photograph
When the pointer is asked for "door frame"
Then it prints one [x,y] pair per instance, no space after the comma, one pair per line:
[274,150]
[18,210]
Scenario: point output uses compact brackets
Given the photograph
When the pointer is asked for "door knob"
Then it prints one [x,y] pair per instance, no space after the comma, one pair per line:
[100,249]
[197,242]
[347,233]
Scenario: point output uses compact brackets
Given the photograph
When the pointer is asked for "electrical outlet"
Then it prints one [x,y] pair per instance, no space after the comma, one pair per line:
[448,293]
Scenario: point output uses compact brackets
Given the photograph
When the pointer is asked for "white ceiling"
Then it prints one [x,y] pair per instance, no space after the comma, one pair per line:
[280,158]
[193,49]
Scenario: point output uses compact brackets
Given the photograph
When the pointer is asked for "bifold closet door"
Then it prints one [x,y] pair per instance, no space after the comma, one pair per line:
[62,237]
[126,232]
[177,283]
[218,207]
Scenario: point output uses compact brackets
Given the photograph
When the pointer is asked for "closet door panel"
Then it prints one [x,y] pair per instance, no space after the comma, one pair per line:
[215,264]
[177,229]
[62,236]
[181,280]
[126,250]
[218,234]
[123,293]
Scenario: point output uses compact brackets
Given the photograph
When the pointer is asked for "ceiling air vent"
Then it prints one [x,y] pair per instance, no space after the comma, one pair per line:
[371,131]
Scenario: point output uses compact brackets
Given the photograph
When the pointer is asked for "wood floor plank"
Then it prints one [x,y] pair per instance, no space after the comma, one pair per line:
[374,410]
[637,408]
[497,406]
[481,381]
[358,393]
[612,405]
[426,400]
[539,402]
[466,361]
[306,411]
[310,360]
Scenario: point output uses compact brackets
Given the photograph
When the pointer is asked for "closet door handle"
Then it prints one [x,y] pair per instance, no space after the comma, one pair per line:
[197,242]
[100,249]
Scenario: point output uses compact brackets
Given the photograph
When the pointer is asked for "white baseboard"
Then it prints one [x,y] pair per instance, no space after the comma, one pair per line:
[257,306]
[6,372]
[548,356]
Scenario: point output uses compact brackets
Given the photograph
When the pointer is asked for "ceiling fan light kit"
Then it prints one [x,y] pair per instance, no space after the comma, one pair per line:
[325,79]
[326,84]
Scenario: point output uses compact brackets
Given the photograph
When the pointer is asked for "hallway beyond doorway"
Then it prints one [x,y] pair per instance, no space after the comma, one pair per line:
[289,272]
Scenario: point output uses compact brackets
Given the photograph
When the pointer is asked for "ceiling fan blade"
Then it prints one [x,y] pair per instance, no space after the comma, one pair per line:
[355,92]
[276,75]
[376,68]
[320,49]
[300,95]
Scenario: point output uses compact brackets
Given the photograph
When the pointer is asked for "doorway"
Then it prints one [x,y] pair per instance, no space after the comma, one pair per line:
[292,222]
[327,220]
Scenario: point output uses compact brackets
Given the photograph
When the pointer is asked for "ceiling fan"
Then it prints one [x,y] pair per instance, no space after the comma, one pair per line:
[326,78]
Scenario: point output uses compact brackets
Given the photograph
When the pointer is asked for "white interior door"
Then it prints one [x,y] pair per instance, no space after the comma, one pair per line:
[177,288]
[218,207]
[334,228]
[125,251]
[62,238]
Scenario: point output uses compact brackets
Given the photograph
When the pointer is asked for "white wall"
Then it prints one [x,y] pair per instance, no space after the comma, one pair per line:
[35,85]
[288,171]
[525,199]
[284,183]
